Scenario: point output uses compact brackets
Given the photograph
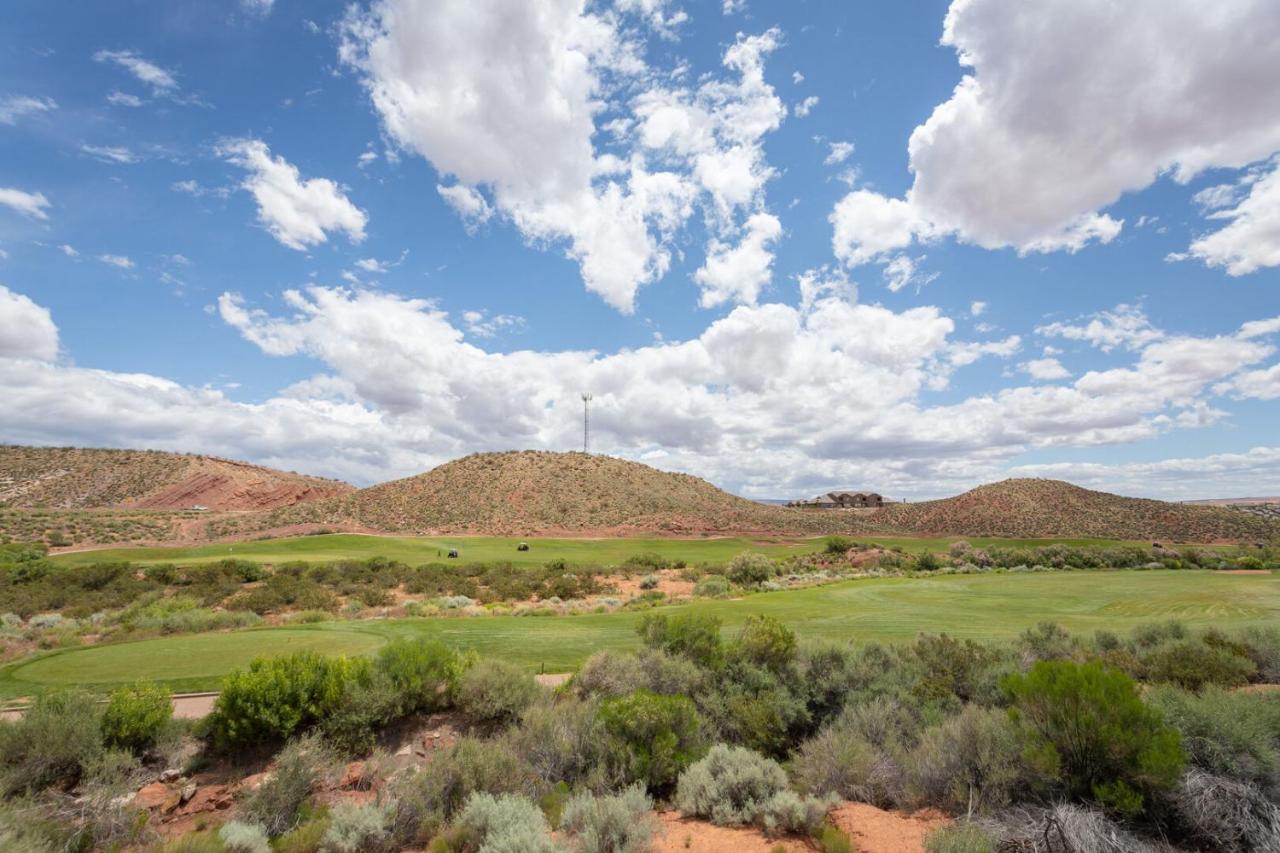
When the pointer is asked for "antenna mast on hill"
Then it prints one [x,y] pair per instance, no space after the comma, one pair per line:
[586,422]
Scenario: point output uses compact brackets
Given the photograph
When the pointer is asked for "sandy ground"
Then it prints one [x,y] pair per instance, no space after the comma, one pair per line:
[685,835]
[878,831]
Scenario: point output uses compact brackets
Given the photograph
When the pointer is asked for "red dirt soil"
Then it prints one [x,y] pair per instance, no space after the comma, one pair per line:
[873,831]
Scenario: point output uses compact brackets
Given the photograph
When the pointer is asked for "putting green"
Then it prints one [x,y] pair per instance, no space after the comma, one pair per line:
[987,606]
[197,660]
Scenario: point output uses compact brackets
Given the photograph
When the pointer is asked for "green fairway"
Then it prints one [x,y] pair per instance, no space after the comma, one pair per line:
[416,550]
[977,606]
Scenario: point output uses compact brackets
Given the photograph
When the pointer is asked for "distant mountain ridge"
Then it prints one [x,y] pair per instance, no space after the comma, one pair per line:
[76,478]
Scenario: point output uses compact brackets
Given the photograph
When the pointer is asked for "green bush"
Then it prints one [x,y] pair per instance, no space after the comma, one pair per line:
[968,763]
[366,706]
[136,715]
[424,673]
[751,569]
[732,786]
[766,642]
[712,587]
[959,838]
[505,824]
[239,837]
[566,741]
[659,736]
[1090,736]
[837,545]
[276,805]
[357,828]
[495,692]
[695,636]
[276,698]
[1193,664]
[471,765]
[56,741]
[610,673]
[617,823]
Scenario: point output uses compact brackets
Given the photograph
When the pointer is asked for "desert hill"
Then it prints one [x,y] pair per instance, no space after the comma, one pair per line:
[531,492]
[83,478]
[1033,508]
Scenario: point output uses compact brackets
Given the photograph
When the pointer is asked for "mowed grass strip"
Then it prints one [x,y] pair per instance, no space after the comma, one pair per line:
[987,606]
[416,550]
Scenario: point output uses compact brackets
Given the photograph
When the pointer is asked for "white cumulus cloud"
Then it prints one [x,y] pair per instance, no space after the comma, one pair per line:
[33,205]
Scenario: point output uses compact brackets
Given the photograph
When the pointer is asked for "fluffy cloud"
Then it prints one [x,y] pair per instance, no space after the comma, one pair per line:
[28,204]
[522,130]
[161,81]
[15,106]
[298,213]
[1251,239]
[1066,109]
[26,329]
[1254,472]
[839,152]
[768,399]
[1045,369]
[1125,325]
[739,272]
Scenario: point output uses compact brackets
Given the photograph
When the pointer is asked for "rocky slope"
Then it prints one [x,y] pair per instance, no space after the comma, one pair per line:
[1032,508]
[73,478]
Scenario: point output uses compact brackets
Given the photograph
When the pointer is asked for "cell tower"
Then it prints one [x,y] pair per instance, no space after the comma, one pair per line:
[586,422]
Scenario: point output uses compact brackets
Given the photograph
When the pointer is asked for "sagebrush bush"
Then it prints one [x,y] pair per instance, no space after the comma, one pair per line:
[733,786]
[1227,733]
[495,692]
[56,741]
[658,736]
[959,838]
[1089,735]
[766,642]
[712,587]
[695,636]
[358,828]
[505,824]
[276,805]
[861,754]
[1192,664]
[239,837]
[968,763]
[751,569]
[616,823]
[135,716]
[276,698]
[566,741]
[471,765]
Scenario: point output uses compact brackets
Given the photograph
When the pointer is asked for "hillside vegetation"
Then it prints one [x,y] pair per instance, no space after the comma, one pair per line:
[71,478]
[1051,508]
[531,492]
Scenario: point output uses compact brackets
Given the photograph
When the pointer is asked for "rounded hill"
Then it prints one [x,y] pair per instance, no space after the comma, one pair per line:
[1036,508]
[539,492]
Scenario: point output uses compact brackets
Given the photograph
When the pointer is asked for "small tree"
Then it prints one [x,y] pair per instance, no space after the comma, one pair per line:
[751,569]
[660,736]
[692,635]
[1086,729]
[767,642]
[136,715]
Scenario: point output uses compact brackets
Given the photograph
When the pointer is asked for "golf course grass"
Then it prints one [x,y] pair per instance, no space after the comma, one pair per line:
[987,606]
[416,550]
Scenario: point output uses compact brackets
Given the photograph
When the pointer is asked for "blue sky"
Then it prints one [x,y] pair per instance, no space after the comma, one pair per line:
[788,246]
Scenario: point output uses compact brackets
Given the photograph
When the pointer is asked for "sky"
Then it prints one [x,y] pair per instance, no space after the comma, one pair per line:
[787,247]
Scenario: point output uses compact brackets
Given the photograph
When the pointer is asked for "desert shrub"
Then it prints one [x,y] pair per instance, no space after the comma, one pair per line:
[733,786]
[276,698]
[927,561]
[305,837]
[1088,734]
[1226,733]
[831,839]
[495,692]
[56,741]
[959,838]
[609,673]
[754,707]
[1230,816]
[1155,633]
[357,828]
[239,837]
[424,673]
[837,545]
[1192,665]
[712,587]
[276,805]
[649,582]
[950,667]
[351,726]
[695,636]
[1046,641]
[664,673]
[861,754]
[658,736]
[617,823]
[471,765]
[751,569]
[1263,648]
[505,824]
[766,642]
[967,763]
[136,715]
[566,741]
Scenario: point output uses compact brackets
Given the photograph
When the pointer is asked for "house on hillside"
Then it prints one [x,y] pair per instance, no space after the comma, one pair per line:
[842,500]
